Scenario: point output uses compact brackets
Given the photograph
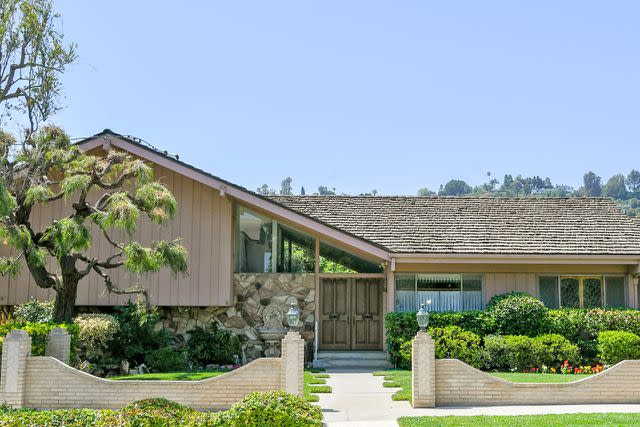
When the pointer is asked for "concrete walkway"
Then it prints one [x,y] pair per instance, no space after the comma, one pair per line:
[358,399]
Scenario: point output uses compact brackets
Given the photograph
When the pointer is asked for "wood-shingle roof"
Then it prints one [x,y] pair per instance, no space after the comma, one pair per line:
[478,225]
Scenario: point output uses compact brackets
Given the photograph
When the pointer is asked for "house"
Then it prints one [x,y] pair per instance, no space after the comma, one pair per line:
[346,261]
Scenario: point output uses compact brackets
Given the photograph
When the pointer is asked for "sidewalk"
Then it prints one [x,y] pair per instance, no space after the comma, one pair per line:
[358,399]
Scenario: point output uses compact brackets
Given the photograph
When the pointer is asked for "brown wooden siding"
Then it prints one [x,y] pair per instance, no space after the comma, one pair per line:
[203,221]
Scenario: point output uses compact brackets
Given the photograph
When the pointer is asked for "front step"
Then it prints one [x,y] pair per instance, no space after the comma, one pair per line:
[373,360]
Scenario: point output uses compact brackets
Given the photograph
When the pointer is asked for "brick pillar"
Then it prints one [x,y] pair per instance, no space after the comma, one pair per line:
[59,345]
[423,365]
[292,364]
[16,348]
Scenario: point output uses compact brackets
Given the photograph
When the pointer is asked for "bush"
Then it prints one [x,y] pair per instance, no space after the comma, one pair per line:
[276,408]
[264,409]
[34,311]
[454,342]
[39,333]
[137,335]
[509,352]
[497,353]
[582,326]
[497,298]
[520,315]
[616,346]
[403,326]
[96,332]
[212,345]
[165,360]
[553,350]
[406,350]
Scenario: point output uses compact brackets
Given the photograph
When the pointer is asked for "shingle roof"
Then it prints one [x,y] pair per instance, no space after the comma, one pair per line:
[478,225]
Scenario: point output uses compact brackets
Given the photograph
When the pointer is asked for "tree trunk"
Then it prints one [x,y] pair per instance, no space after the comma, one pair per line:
[65,301]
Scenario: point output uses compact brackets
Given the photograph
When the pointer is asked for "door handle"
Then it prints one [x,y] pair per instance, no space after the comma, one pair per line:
[334,316]
[367,316]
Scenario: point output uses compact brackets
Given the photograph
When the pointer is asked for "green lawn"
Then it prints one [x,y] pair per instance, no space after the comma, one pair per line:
[525,420]
[313,382]
[402,378]
[172,376]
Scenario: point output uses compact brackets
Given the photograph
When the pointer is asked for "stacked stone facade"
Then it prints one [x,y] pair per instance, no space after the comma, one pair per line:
[253,292]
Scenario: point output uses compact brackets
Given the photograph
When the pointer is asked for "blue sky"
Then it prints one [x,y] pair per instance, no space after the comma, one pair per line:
[359,95]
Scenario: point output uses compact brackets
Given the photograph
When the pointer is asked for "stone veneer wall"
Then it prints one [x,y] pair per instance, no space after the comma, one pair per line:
[252,293]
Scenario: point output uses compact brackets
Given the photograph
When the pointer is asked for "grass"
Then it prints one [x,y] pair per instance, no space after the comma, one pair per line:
[518,377]
[313,382]
[402,379]
[171,376]
[570,420]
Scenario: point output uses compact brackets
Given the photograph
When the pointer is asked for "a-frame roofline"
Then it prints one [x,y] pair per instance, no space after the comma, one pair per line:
[107,139]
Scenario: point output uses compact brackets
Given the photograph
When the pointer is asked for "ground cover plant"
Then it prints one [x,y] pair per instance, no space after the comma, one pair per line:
[568,420]
[264,409]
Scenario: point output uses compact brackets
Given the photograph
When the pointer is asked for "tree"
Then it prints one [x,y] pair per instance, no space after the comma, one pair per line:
[302,193]
[108,194]
[455,187]
[325,191]
[265,190]
[615,187]
[371,193]
[285,187]
[425,192]
[33,57]
[633,181]
[592,185]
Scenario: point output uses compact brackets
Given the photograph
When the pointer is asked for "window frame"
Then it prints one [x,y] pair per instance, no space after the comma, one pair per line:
[415,275]
[581,277]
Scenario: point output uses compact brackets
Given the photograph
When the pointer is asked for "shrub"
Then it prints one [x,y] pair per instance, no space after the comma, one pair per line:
[39,332]
[137,335]
[520,354]
[582,326]
[403,326]
[96,332]
[151,412]
[616,346]
[212,345]
[553,350]
[165,360]
[455,343]
[275,408]
[406,350]
[497,352]
[34,311]
[520,315]
[497,298]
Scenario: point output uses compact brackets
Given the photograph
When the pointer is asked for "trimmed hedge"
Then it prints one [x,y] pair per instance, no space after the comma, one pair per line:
[264,409]
[616,346]
[580,326]
[520,315]
[402,327]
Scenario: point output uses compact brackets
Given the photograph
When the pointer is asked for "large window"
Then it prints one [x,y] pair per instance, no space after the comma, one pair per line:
[582,291]
[447,292]
[264,245]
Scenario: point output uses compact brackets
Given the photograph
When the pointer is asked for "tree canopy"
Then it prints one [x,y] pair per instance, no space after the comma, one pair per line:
[111,192]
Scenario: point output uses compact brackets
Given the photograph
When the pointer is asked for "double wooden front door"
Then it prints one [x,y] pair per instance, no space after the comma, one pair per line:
[350,314]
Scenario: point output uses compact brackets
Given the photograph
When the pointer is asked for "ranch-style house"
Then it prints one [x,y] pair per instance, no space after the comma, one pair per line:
[346,261]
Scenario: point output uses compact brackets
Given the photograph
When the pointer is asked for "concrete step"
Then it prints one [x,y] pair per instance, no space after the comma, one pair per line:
[371,360]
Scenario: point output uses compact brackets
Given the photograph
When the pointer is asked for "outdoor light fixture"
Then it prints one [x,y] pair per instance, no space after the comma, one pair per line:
[293,316]
[423,316]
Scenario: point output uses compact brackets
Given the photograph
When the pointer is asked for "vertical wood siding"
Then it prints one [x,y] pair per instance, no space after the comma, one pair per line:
[204,222]
[499,283]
